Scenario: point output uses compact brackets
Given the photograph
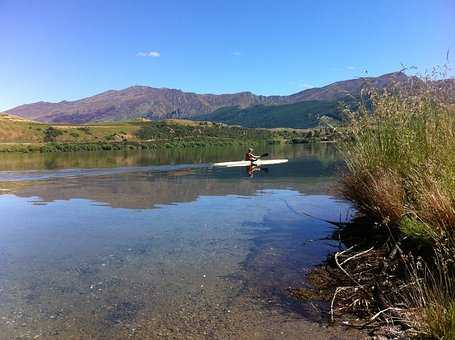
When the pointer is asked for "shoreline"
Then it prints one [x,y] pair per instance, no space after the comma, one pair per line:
[59,147]
[27,136]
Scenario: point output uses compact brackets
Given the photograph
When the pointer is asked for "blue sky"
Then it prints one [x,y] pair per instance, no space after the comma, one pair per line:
[65,50]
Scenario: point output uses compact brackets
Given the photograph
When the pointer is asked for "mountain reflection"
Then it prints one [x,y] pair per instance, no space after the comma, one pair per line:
[309,172]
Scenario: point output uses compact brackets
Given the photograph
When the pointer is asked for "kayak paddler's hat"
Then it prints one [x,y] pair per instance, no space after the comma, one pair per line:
[250,149]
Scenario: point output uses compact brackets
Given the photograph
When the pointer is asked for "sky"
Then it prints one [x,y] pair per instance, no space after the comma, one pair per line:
[65,50]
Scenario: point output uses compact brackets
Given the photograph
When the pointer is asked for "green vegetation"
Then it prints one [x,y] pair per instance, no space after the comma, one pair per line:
[51,134]
[18,135]
[303,115]
[161,130]
[401,175]
[111,146]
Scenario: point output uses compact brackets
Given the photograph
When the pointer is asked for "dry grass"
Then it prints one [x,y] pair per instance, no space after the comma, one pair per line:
[401,158]
[401,173]
[432,297]
[378,194]
[434,203]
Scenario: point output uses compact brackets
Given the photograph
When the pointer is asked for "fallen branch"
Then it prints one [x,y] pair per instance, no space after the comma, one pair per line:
[342,269]
[374,317]
[337,290]
[356,255]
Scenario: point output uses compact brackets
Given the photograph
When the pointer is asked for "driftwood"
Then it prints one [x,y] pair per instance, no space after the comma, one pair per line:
[372,286]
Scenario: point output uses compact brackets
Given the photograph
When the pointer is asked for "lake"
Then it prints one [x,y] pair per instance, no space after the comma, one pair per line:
[143,245]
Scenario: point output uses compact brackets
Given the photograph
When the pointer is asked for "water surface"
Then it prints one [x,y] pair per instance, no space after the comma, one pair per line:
[147,246]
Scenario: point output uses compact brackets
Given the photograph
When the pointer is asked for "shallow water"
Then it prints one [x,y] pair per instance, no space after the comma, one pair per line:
[146,246]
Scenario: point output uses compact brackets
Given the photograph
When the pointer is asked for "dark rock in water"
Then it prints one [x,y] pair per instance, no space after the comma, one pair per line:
[123,311]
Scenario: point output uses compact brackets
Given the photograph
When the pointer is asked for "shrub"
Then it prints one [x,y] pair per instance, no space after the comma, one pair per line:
[51,133]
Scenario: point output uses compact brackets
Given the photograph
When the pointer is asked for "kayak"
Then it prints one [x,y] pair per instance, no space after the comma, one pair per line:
[259,162]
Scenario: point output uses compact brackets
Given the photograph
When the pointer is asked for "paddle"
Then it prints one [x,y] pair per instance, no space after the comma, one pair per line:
[263,155]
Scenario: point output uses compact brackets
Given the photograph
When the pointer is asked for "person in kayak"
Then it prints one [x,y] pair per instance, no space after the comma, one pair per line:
[249,156]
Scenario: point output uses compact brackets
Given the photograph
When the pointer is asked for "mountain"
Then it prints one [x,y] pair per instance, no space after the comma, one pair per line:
[349,88]
[135,102]
[306,114]
[158,103]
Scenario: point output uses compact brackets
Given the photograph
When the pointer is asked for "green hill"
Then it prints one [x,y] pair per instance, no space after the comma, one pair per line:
[18,134]
[299,115]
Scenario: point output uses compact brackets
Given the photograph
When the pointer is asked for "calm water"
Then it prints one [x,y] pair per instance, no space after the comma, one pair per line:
[148,246]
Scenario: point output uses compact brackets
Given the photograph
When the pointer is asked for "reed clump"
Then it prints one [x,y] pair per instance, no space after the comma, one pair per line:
[400,173]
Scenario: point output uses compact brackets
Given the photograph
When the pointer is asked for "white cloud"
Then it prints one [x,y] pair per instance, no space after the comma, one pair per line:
[236,53]
[153,54]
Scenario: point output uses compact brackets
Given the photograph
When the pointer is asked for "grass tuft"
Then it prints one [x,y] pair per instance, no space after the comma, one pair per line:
[401,173]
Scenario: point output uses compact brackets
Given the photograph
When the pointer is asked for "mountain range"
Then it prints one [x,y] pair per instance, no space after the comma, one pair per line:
[300,109]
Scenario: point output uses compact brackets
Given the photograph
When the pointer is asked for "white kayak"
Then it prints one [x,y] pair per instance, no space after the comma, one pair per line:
[259,162]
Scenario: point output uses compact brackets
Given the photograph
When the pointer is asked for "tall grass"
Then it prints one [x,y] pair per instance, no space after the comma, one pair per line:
[401,157]
[401,173]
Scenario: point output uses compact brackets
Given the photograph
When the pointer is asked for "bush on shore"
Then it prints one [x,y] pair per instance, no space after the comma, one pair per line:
[401,173]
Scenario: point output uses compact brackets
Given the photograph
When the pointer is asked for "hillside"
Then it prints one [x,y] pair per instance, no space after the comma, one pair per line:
[25,135]
[161,103]
[20,135]
[349,88]
[305,114]
[25,131]
[136,102]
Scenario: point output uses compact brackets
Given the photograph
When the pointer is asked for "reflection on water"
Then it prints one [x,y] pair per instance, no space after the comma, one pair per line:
[179,253]
[111,159]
